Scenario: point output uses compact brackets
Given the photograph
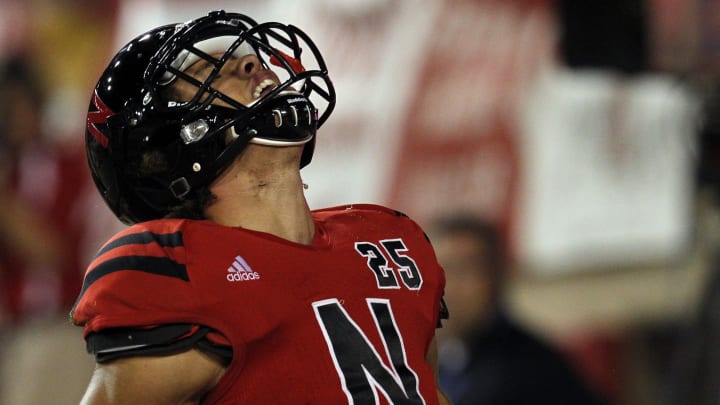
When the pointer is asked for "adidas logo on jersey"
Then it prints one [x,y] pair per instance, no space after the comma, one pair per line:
[241,271]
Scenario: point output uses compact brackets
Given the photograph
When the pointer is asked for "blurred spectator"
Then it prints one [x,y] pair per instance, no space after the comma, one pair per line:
[41,227]
[486,357]
[28,248]
[38,188]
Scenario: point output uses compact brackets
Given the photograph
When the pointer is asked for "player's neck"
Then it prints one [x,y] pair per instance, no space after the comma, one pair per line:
[266,197]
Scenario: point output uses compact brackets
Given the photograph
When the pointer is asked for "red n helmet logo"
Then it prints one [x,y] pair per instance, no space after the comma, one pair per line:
[98,118]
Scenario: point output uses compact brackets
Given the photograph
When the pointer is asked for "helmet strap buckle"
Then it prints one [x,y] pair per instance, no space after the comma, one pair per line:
[180,187]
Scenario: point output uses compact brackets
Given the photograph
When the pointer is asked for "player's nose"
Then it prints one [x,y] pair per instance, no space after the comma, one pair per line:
[248,65]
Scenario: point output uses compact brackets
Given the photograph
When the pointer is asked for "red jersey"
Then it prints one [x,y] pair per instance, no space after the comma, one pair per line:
[346,319]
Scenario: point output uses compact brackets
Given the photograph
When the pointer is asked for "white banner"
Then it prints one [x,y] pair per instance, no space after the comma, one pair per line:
[608,174]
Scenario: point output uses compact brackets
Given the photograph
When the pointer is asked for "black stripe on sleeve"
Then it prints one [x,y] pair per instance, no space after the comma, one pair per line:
[161,266]
[143,238]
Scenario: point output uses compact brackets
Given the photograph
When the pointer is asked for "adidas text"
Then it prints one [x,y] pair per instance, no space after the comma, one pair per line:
[243,276]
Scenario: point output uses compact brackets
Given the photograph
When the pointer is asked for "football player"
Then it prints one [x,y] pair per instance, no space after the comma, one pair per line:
[227,288]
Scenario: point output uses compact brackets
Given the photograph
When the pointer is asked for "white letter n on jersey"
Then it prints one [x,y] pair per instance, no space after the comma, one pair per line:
[360,367]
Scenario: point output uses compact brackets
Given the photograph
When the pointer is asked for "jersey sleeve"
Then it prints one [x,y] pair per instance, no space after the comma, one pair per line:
[138,279]
[443,313]
[442,310]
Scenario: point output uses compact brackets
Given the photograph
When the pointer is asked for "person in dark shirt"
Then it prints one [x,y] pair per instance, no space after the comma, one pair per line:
[486,357]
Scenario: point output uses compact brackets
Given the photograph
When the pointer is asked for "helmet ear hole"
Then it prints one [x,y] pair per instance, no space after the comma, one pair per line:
[152,163]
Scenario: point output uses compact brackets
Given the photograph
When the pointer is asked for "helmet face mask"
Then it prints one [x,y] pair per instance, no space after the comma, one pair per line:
[148,152]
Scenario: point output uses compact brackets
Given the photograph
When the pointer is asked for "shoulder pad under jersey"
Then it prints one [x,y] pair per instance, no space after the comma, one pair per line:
[341,209]
[138,274]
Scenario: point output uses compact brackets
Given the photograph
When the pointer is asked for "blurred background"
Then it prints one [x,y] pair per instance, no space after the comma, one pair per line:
[586,131]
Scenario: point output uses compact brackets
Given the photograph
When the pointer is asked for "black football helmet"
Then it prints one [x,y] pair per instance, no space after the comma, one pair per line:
[133,123]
